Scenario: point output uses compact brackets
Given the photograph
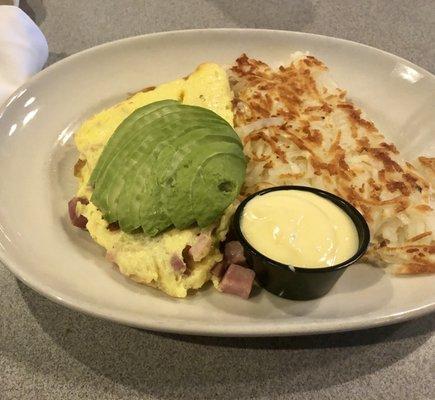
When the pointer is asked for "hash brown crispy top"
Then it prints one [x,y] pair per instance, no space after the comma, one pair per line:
[298,127]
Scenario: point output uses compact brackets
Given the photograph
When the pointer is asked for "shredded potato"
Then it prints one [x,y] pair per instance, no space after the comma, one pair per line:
[297,127]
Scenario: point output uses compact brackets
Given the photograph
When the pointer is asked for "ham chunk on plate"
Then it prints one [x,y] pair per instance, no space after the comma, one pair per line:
[234,253]
[238,280]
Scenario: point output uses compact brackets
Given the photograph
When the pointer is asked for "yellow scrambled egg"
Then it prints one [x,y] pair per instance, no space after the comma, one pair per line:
[144,259]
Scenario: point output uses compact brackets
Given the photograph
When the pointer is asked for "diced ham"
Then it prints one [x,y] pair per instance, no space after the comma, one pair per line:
[113,226]
[201,247]
[177,263]
[238,280]
[77,220]
[234,253]
[219,269]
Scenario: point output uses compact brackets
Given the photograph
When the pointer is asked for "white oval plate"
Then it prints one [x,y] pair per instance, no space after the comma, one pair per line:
[43,250]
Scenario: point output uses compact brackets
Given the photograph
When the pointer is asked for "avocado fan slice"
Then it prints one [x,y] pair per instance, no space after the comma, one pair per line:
[117,161]
[109,187]
[176,187]
[216,185]
[140,189]
[172,156]
[115,141]
[168,164]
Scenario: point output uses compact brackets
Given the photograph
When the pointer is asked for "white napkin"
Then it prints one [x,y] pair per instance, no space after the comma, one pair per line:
[23,50]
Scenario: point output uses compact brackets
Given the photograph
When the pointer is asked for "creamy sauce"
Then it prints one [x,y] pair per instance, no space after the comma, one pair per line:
[299,228]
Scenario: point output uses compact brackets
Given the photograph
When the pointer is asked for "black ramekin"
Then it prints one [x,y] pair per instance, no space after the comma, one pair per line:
[299,283]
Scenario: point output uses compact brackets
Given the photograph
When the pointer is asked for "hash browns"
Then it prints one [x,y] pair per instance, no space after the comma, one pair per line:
[298,127]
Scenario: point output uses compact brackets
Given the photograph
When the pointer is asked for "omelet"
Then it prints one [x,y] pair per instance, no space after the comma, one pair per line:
[166,261]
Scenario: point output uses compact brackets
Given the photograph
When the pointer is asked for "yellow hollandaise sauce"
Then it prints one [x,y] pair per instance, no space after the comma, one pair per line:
[299,228]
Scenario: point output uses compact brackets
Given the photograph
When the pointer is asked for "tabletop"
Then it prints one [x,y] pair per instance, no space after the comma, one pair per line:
[50,352]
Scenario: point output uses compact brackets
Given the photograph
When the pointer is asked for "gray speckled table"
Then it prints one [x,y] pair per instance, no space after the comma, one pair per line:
[50,352]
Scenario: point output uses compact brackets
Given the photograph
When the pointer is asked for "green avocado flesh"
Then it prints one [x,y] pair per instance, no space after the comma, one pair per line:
[168,164]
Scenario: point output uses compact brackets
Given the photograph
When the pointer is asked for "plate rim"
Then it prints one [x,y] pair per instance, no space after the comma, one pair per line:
[84,52]
[197,328]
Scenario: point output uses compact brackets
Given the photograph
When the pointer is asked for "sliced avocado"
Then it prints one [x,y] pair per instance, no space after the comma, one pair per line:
[117,141]
[169,161]
[177,187]
[140,190]
[168,164]
[117,162]
[216,185]
[147,130]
